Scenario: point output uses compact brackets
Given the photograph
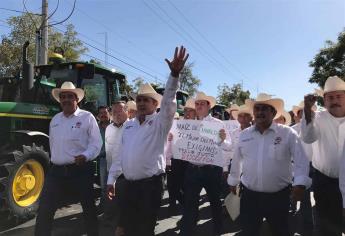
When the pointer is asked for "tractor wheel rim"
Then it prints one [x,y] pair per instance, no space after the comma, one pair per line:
[28,183]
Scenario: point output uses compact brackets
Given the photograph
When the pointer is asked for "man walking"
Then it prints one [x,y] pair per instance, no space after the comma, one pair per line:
[75,140]
[141,157]
[262,160]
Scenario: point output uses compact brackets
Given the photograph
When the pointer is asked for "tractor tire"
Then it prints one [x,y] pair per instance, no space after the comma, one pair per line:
[22,180]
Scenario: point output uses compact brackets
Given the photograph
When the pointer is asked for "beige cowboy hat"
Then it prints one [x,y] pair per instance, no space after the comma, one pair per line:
[287,117]
[201,96]
[131,105]
[242,109]
[190,103]
[300,106]
[267,99]
[333,83]
[146,90]
[68,86]
[233,107]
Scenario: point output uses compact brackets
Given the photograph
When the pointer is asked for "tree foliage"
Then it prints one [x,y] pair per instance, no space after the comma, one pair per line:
[189,82]
[23,28]
[329,61]
[229,95]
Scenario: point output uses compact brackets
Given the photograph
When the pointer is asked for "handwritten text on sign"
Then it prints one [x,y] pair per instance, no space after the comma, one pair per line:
[197,142]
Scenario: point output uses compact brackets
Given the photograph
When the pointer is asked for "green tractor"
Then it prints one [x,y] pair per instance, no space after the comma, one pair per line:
[26,108]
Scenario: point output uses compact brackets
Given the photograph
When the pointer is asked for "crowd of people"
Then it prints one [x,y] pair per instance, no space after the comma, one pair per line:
[270,164]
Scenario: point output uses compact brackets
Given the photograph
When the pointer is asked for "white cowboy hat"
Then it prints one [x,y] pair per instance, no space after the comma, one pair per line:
[242,109]
[333,83]
[176,116]
[200,96]
[287,117]
[267,99]
[232,203]
[300,106]
[190,103]
[68,86]
[147,90]
[131,105]
[233,107]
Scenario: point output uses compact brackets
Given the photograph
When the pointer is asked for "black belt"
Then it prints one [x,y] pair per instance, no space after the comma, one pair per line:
[149,179]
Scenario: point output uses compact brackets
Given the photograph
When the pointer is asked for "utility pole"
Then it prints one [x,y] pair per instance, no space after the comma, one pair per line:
[43,59]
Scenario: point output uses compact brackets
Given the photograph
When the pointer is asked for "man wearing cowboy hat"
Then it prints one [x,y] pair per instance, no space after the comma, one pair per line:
[231,109]
[262,163]
[204,176]
[75,140]
[284,118]
[141,158]
[326,131]
[189,110]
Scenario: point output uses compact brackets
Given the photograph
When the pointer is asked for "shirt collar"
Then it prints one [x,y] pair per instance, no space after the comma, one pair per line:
[147,117]
[273,127]
[76,113]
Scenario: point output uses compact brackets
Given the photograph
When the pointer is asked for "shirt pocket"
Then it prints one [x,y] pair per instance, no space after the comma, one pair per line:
[278,151]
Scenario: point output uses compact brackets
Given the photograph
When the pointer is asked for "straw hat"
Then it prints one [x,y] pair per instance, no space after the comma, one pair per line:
[190,103]
[242,109]
[233,107]
[146,90]
[200,96]
[300,106]
[68,86]
[333,83]
[131,105]
[287,117]
[267,99]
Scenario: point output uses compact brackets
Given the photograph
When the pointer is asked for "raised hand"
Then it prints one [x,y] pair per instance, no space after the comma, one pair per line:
[178,62]
[309,101]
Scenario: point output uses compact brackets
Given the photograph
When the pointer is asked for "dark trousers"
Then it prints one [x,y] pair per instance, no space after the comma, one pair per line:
[196,178]
[140,202]
[175,181]
[328,205]
[62,182]
[273,206]
[112,209]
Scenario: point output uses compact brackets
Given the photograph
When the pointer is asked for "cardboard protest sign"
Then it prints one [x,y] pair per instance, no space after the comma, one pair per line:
[197,142]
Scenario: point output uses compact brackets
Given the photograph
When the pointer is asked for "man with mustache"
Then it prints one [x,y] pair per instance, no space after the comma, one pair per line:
[262,163]
[75,141]
[141,158]
[326,131]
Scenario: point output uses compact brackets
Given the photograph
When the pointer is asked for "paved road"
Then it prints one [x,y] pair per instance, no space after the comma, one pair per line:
[68,221]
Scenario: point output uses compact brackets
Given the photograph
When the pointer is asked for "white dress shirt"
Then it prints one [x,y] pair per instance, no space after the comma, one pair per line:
[77,134]
[265,160]
[113,138]
[142,151]
[308,148]
[327,133]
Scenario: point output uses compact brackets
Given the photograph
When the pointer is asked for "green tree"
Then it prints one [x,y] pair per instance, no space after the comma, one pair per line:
[229,95]
[329,61]
[136,83]
[23,28]
[189,82]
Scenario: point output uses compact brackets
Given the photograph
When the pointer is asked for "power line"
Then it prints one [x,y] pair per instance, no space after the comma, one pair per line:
[118,59]
[13,10]
[209,42]
[71,13]
[201,48]
[120,36]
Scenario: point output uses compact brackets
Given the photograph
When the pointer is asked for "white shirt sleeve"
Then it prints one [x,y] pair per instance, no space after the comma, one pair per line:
[116,168]
[236,168]
[309,133]
[301,161]
[168,104]
[95,141]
